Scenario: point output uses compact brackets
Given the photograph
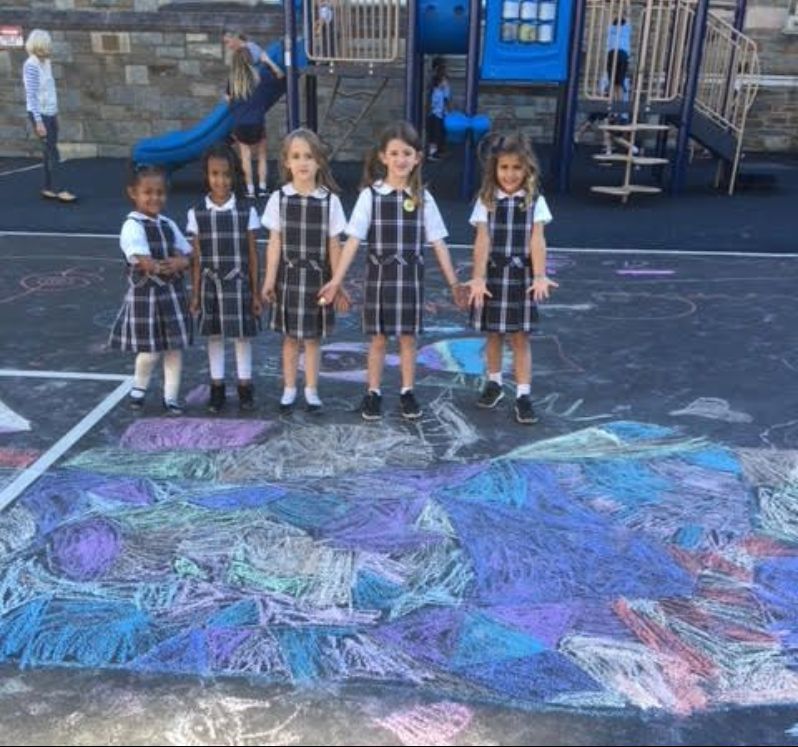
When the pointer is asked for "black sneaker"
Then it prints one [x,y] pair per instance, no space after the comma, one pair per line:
[246,397]
[172,407]
[262,193]
[408,406]
[135,400]
[371,407]
[524,413]
[491,395]
[218,397]
[314,409]
[286,409]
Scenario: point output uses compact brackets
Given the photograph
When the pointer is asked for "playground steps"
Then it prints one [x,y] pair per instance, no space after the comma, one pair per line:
[636,160]
[625,190]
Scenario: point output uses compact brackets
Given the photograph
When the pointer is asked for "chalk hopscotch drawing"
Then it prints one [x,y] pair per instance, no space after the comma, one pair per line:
[620,564]
[10,421]
[71,279]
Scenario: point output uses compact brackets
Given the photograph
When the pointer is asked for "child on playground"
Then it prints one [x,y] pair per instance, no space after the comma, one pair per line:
[225,272]
[509,274]
[154,317]
[305,219]
[440,95]
[394,213]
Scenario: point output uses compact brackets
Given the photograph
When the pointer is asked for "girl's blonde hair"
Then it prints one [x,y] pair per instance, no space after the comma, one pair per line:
[497,146]
[324,177]
[374,170]
[39,43]
[243,76]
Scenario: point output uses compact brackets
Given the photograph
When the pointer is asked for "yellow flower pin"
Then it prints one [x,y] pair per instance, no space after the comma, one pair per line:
[409,205]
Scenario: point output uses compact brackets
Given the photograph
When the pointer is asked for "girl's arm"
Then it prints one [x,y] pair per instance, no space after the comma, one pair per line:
[273,251]
[342,301]
[537,250]
[447,268]
[330,290]
[257,308]
[195,276]
[477,287]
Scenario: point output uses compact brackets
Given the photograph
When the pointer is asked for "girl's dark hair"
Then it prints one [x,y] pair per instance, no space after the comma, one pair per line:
[374,170]
[225,152]
[138,171]
[492,149]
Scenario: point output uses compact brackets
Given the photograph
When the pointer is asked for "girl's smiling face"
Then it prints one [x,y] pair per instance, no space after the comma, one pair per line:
[399,159]
[511,174]
[149,194]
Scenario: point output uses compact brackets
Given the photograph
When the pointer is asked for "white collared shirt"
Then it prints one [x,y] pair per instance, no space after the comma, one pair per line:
[542,213]
[133,237]
[271,215]
[192,229]
[360,222]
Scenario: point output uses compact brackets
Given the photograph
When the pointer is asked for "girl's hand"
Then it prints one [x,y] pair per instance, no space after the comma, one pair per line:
[477,291]
[194,307]
[147,265]
[257,306]
[343,302]
[268,294]
[460,296]
[173,265]
[540,288]
[328,293]
[41,130]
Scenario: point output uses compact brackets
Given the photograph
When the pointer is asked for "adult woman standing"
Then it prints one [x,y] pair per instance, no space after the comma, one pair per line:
[41,102]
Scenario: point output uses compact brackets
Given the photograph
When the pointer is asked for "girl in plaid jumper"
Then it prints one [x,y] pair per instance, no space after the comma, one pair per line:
[395,214]
[509,266]
[305,218]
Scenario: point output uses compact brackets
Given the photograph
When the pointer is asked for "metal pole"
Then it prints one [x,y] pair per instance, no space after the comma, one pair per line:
[411,95]
[472,94]
[739,14]
[292,79]
[566,123]
[679,180]
[311,103]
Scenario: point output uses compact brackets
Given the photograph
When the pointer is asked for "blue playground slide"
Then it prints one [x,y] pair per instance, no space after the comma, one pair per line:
[177,148]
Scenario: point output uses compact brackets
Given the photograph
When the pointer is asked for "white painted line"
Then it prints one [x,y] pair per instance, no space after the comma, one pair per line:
[80,375]
[64,444]
[21,169]
[564,249]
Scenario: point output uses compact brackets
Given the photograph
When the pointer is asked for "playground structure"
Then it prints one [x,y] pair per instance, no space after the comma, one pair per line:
[692,72]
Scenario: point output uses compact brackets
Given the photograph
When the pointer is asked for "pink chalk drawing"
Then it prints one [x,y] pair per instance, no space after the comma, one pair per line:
[436,724]
[17,458]
[155,434]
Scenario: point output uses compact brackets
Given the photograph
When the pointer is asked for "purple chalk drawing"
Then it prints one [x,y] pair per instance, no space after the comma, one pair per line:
[436,724]
[198,395]
[644,271]
[84,551]
[156,434]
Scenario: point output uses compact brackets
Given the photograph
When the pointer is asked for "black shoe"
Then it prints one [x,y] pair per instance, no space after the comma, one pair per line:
[262,193]
[491,395]
[135,400]
[314,409]
[371,407]
[524,413]
[172,407]
[218,398]
[246,397]
[408,406]
[286,409]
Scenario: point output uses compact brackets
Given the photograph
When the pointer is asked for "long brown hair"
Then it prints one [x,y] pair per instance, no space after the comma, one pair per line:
[374,169]
[243,76]
[508,145]
[324,177]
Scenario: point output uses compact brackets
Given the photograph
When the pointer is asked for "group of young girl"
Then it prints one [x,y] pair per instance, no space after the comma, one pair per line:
[306,265]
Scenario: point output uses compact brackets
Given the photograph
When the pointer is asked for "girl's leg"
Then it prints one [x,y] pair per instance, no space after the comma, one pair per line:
[376,361]
[522,361]
[246,395]
[260,150]
[407,361]
[494,348]
[216,359]
[142,374]
[246,165]
[290,363]
[172,369]
[312,356]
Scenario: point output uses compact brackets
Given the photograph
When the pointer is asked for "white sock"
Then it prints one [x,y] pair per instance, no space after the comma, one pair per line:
[262,185]
[216,357]
[312,396]
[522,389]
[289,396]
[405,389]
[145,362]
[250,189]
[243,346]
[496,378]
[172,368]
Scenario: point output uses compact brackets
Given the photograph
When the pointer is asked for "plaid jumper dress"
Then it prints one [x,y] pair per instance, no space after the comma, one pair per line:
[154,315]
[509,276]
[225,292]
[394,289]
[304,267]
